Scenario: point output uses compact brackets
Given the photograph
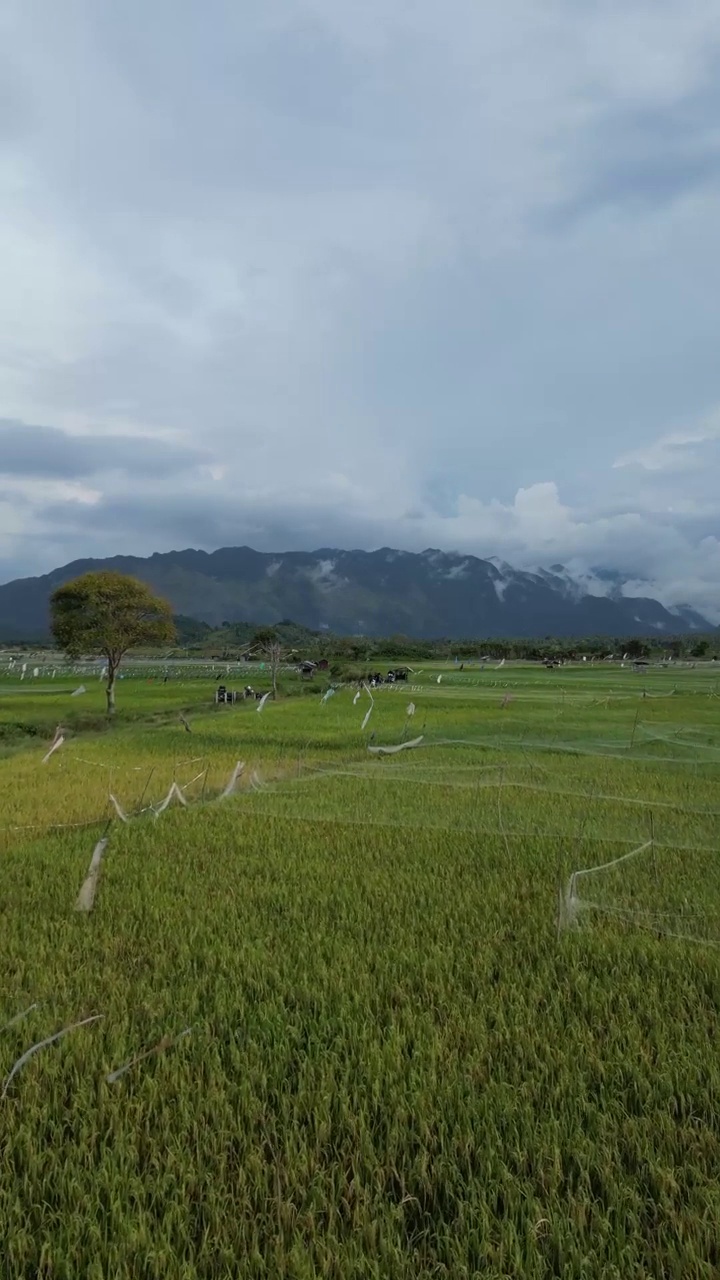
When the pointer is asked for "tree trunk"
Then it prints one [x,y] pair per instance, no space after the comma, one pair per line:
[110,691]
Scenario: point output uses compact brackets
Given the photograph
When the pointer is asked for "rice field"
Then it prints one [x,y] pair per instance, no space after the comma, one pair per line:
[363,1016]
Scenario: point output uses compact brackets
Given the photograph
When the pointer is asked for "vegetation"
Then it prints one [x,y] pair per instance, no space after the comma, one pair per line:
[232,639]
[396,1067]
[267,643]
[108,613]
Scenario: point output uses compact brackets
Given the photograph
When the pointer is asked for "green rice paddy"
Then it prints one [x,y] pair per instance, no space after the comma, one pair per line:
[416,1046]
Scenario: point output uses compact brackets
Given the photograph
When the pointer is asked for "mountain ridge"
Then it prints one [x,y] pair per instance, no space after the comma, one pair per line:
[388,591]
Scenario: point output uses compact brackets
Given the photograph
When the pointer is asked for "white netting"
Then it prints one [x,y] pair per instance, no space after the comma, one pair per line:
[173,793]
[232,781]
[629,796]
[572,903]
[663,890]
[118,808]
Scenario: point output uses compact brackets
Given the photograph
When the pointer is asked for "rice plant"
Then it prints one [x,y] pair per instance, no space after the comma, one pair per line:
[335,1030]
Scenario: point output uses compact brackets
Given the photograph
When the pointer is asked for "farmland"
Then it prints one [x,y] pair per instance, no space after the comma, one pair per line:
[417,1046]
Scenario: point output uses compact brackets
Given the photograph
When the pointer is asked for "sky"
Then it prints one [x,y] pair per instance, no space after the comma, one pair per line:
[316,273]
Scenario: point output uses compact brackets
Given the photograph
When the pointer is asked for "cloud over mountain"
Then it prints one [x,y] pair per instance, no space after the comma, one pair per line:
[319,273]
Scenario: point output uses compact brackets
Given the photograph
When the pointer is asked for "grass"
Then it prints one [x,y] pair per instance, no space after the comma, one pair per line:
[396,1068]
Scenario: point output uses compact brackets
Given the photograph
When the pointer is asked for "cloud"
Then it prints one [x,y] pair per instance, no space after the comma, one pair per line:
[535,528]
[686,450]
[47,452]
[318,272]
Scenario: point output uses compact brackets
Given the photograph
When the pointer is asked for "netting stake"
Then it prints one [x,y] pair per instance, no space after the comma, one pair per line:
[147,784]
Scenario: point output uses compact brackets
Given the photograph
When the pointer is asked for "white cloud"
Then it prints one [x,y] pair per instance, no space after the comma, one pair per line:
[675,451]
[366,260]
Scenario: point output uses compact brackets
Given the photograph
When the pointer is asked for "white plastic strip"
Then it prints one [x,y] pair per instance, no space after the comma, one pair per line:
[118,808]
[56,744]
[157,809]
[174,791]
[86,896]
[392,751]
[232,782]
[18,1018]
[42,1044]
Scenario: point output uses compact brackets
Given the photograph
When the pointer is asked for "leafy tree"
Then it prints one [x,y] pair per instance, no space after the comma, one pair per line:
[109,613]
[700,649]
[635,648]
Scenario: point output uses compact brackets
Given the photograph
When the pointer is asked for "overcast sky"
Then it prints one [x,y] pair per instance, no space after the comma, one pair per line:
[308,273]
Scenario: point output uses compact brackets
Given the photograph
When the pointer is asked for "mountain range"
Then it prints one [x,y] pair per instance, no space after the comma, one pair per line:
[386,592]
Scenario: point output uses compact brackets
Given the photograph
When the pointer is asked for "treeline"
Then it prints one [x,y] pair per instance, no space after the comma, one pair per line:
[229,642]
[523,650]
[232,640]
[597,647]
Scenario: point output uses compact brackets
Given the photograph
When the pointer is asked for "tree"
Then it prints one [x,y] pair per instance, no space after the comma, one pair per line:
[109,613]
[636,648]
[268,643]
